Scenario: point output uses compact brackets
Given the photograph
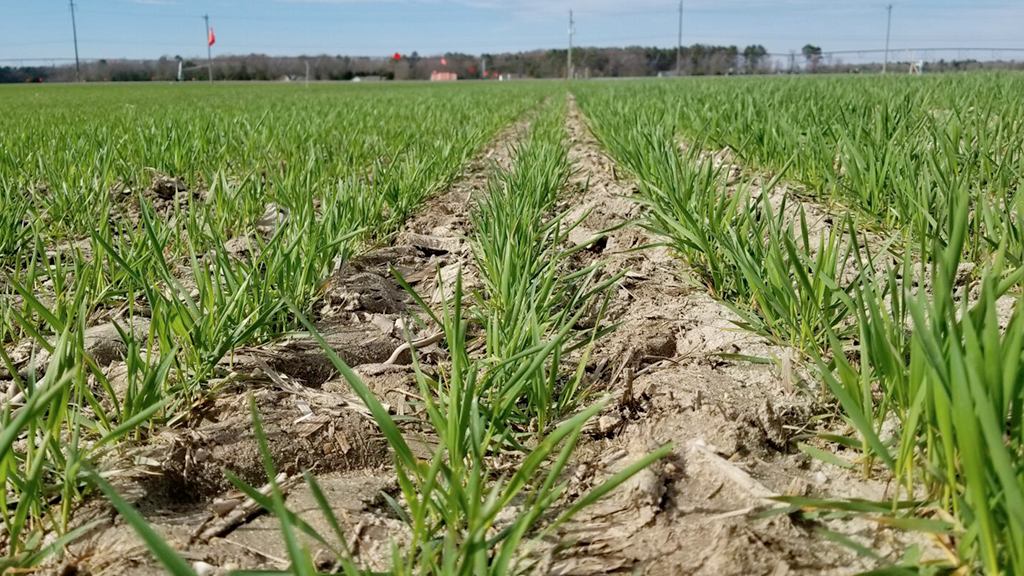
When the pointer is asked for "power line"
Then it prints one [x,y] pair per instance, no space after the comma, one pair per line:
[34,43]
[773,7]
[481,46]
[372,51]
[776,8]
[39,59]
[866,51]
[942,49]
[574,42]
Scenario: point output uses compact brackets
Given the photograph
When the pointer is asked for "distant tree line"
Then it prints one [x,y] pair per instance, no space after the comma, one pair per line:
[250,67]
[590,62]
[696,60]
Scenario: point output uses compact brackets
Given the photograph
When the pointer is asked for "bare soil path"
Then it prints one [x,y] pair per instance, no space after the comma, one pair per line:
[731,422]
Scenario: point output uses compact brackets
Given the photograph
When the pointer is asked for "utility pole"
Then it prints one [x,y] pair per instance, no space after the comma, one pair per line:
[209,54]
[888,28]
[679,45]
[568,67]
[74,31]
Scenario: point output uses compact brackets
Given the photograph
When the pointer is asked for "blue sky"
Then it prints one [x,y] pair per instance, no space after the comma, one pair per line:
[151,28]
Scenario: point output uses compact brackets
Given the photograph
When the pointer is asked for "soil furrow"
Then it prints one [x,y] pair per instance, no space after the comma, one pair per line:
[312,419]
[672,368]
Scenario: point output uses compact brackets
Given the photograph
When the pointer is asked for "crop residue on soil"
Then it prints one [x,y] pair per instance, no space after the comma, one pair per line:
[669,367]
[312,420]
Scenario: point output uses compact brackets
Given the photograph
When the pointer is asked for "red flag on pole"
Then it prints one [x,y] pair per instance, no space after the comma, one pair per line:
[397,56]
[211,39]
[444,61]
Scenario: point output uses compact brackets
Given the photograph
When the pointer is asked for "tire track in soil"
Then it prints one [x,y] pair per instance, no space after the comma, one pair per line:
[312,419]
[730,421]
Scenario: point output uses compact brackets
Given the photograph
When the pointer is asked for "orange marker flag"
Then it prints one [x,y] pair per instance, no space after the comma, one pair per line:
[210,41]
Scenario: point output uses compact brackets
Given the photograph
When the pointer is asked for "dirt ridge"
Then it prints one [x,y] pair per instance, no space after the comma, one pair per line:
[667,366]
[731,422]
[312,419]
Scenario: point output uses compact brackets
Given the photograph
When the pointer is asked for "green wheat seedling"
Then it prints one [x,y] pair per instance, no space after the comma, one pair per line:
[529,294]
[887,148]
[758,260]
[955,385]
[85,237]
[62,424]
[933,165]
[452,500]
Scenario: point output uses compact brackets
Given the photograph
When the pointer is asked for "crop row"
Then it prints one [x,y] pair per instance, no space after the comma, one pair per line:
[901,153]
[513,382]
[123,202]
[480,405]
[892,339]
